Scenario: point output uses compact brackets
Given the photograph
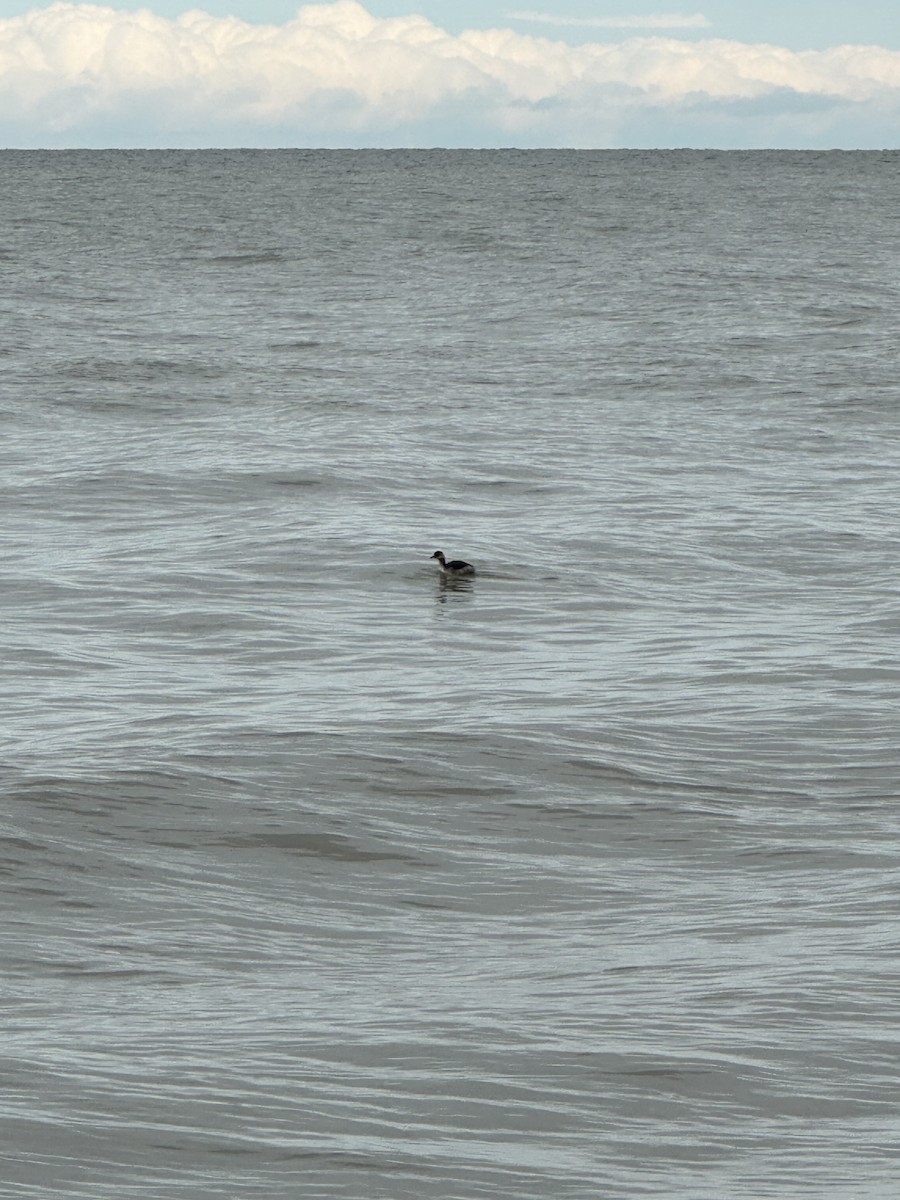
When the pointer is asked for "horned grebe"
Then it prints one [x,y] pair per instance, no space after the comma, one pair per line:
[456,567]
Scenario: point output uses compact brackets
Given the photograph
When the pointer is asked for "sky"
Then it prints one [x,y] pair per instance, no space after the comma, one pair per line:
[354,73]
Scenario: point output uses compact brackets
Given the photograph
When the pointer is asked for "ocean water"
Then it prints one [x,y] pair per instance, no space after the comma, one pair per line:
[325,878]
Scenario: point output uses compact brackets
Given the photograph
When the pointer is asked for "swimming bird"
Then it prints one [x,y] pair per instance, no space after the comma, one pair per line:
[456,567]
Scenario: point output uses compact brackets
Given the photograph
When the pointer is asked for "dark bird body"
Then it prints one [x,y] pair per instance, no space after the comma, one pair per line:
[455,567]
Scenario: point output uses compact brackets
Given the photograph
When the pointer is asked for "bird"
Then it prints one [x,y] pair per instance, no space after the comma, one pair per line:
[456,567]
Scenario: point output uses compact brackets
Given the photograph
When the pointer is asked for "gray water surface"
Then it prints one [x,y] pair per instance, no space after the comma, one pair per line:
[326,878]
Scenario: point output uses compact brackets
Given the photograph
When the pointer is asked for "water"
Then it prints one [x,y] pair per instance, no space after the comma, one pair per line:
[323,878]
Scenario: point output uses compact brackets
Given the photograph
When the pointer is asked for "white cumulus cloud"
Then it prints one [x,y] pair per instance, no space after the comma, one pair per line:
[84,74]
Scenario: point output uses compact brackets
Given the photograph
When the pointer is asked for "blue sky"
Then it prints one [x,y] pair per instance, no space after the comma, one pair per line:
[593,73]
[796,24]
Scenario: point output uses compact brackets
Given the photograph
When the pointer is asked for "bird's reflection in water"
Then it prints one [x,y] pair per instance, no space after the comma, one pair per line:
[453,588]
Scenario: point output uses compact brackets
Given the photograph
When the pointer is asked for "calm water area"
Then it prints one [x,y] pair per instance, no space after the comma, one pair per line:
[324,876]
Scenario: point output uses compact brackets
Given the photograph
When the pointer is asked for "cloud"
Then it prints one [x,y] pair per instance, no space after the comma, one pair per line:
[650,21]
[84,74]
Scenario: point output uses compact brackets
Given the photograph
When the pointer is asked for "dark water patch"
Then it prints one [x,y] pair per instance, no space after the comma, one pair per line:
[260,258]
[314,845]
[299,344]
